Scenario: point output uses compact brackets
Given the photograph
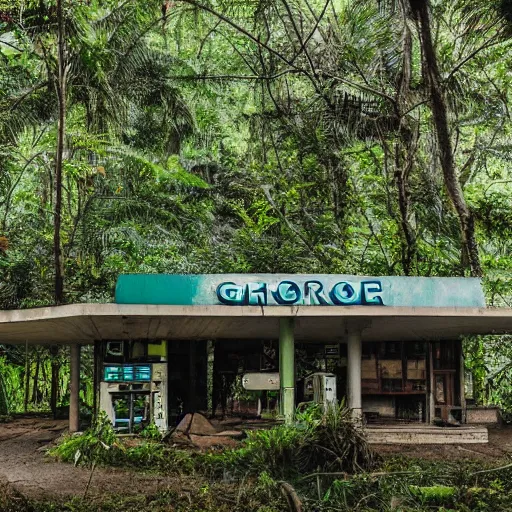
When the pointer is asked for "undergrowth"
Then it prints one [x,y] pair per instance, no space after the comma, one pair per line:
[327,442]
[192,495]
[325,458]
[316,442]
[396,485]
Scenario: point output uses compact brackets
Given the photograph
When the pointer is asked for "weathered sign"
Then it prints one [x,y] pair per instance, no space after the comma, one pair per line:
[298,289]
[261,381]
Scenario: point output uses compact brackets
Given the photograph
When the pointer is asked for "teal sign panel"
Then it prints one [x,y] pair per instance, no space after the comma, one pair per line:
[298,289]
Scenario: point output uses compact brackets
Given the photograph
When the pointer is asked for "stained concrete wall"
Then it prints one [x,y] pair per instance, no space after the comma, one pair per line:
[483,415]
[383,405]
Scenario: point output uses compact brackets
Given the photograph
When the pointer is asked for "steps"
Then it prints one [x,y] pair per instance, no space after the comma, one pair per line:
[426,434]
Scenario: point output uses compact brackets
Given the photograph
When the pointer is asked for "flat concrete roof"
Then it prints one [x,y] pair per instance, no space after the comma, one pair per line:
[85,323]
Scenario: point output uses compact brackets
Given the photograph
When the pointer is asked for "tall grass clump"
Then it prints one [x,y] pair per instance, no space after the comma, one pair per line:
[317,441]
[100,445]
[96,445]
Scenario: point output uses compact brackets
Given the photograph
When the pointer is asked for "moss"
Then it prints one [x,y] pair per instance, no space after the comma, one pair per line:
[435,494]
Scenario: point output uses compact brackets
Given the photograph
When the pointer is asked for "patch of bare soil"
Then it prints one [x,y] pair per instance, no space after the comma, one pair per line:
[499,447]
[25,466]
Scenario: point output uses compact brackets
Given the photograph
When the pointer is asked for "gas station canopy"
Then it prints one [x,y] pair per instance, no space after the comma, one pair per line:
[244,306]
[85,323]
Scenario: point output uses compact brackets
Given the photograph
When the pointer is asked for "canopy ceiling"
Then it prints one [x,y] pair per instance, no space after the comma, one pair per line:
[85,323]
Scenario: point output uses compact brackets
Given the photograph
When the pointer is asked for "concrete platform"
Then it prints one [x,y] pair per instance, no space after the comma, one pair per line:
[426,434]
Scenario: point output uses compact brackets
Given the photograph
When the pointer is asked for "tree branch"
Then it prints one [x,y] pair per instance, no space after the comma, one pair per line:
[234,77]
[311,34]
[28,93]
[489,44]
[362,87]
[238,28]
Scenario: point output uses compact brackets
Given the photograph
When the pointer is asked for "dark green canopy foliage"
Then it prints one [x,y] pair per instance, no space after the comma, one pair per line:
[260,136]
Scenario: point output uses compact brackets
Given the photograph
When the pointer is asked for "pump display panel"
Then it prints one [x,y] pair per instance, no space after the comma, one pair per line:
[127,373]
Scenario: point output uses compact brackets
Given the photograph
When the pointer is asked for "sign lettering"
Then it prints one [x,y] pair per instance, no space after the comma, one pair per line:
[311,293]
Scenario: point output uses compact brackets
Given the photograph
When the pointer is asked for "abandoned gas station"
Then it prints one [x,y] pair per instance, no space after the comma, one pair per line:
[389,346]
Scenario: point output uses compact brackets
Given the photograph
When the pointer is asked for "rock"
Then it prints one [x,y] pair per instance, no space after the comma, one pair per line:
[232,433]
[197,424]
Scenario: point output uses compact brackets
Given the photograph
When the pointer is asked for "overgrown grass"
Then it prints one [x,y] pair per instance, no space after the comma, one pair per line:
[435,488]
[316,442]
[326,459]
[407,485]
[100,445]
[192,495]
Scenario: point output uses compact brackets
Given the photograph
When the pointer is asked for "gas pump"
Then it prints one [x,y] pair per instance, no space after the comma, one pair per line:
[320,388]
[134,394]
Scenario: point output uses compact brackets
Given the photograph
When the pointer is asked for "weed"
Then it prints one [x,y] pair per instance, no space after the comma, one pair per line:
[435,495]
[151,432]
[96,445]
[316,442]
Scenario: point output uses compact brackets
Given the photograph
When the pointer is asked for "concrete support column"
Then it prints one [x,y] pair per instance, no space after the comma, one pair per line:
[287,368]
[74,388]
[354,352]
[192,384]
[54,352]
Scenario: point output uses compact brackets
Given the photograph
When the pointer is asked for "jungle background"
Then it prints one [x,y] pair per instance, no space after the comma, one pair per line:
[360,137]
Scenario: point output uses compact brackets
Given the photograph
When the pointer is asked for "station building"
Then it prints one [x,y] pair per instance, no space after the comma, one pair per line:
[390,347]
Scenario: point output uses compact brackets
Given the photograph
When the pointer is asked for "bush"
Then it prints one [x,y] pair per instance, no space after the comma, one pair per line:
[96,445]
[317,441]
[326,442]
[100,445]
[435,495]
[340,444]
[151,432]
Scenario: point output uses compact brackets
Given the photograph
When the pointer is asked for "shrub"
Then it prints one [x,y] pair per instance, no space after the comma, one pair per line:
[340,444]
[96,445]
[329,442]
[435,495]
[151,432]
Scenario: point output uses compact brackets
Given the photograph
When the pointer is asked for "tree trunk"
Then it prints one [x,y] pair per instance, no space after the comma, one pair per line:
[27,379]
[432,77]
[35,387]
[403,167]
[4,404]
[61,131]
[55,387]
[405,149]
[44,395]
[54,390]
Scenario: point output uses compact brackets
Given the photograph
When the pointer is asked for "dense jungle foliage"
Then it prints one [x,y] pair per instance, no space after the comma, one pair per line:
[338,136]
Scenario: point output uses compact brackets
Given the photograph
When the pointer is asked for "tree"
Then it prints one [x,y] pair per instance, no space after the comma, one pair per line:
[432,77]
[105,69]
[61,88]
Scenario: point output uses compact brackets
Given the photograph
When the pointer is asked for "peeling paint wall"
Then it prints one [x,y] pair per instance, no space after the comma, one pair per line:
[383,405]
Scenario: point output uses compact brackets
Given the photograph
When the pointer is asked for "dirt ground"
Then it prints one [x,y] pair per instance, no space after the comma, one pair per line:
[25,466]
